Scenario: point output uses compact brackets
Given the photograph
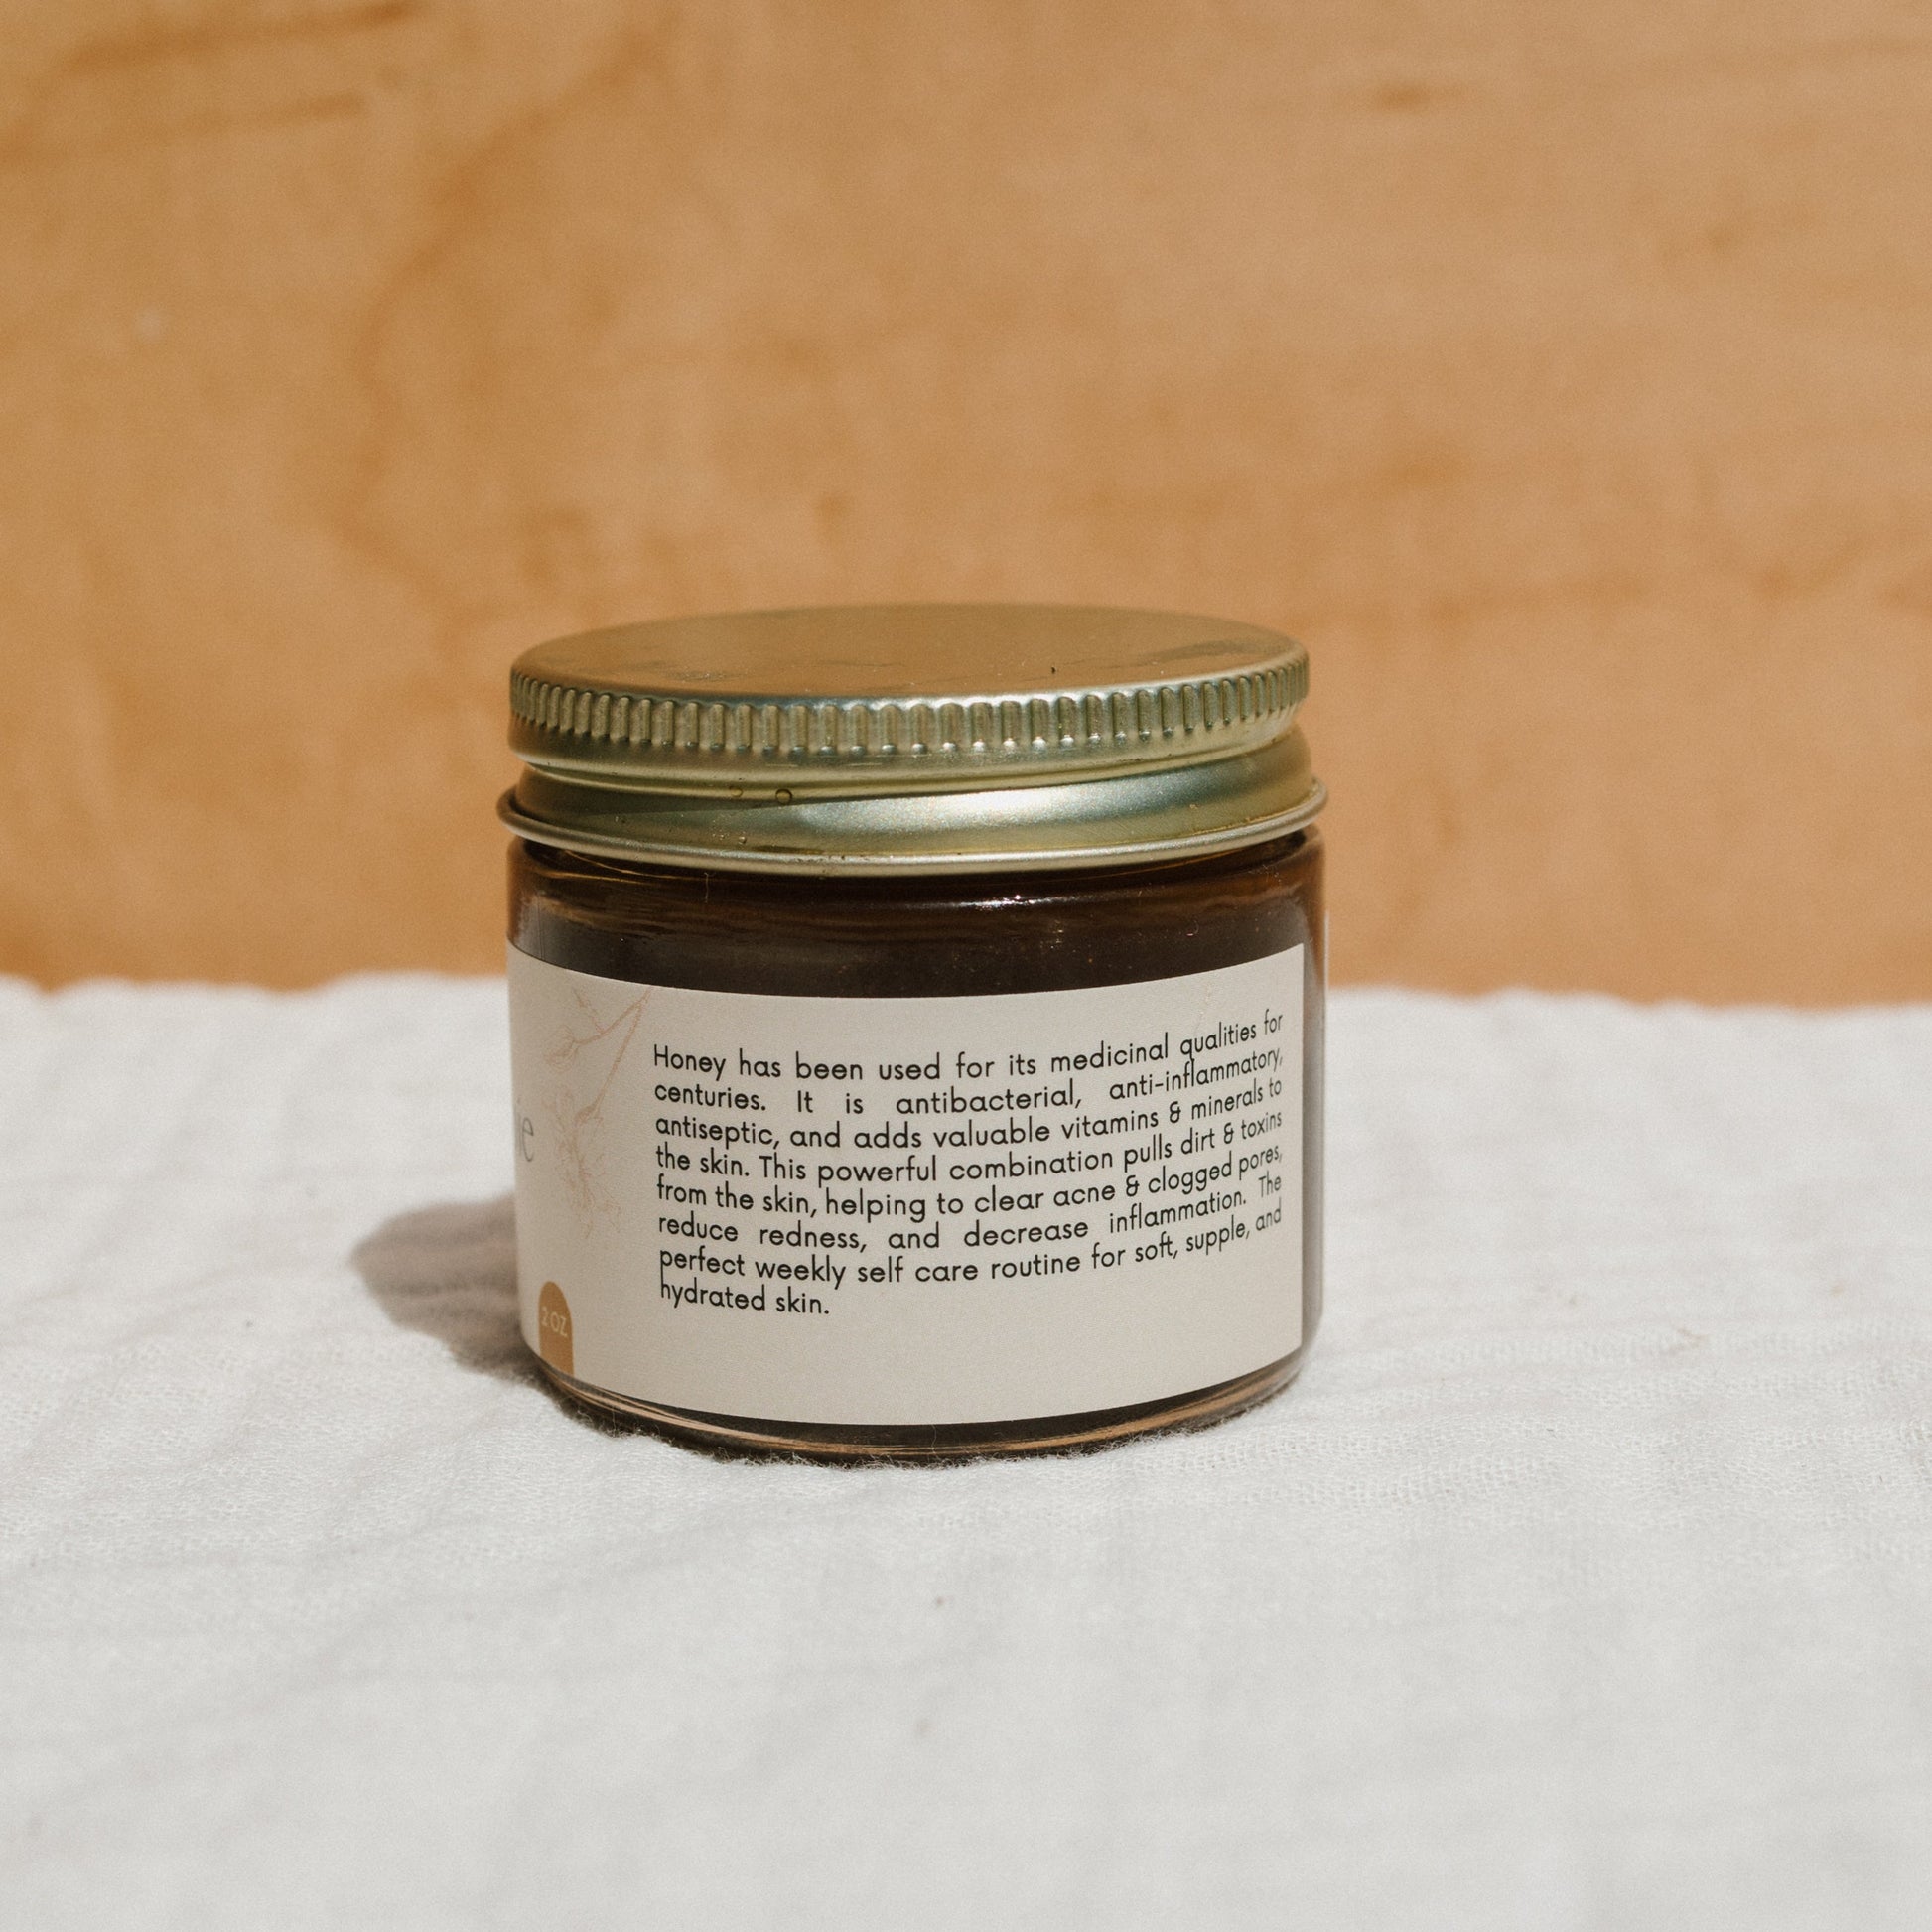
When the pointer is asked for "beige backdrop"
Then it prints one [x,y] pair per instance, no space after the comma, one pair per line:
[1557,371]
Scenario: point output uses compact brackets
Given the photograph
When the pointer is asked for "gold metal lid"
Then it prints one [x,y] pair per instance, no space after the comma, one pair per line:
[913,736]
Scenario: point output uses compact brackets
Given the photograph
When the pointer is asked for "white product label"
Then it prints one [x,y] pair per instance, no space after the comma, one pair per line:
[909,1210]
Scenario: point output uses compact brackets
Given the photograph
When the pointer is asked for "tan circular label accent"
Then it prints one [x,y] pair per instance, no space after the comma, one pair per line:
[553,1330]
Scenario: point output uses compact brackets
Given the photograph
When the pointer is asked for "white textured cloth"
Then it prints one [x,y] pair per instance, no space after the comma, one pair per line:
[1583,1579]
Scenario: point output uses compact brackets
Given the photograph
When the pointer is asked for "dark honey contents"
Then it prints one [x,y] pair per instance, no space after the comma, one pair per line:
[934,934]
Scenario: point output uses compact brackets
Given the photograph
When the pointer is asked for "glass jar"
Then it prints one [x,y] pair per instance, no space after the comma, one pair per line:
[917,1018]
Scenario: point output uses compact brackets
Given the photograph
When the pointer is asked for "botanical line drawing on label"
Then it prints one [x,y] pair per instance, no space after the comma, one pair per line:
[579,1129]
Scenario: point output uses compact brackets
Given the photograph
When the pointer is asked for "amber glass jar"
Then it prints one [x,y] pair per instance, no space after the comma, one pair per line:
[917,1018]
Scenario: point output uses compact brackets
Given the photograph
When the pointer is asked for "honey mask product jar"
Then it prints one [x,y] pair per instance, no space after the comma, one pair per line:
[917,1018]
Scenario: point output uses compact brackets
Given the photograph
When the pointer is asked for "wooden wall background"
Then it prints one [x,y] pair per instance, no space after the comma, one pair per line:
[1560,372]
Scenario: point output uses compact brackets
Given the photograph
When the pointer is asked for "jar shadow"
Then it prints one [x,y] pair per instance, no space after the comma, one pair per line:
[449,1270]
